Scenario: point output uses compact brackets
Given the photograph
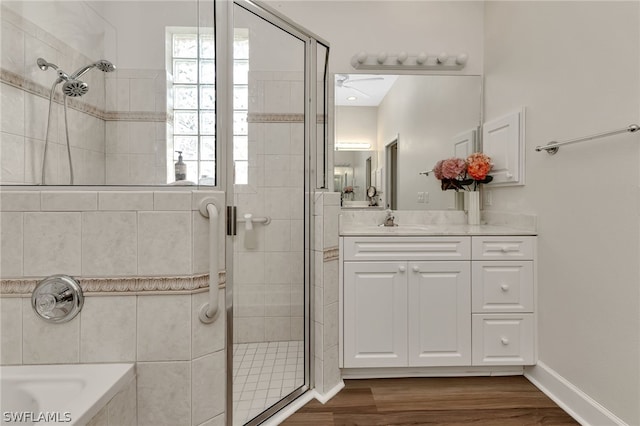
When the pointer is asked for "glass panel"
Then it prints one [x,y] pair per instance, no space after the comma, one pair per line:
[185,97]
[241,72]
[241,97]
[268,154]
[207,47]
[240,125]
[207,148]
[185,46]
[188,145]
[185,123]
[207,169]
[207,72]
[185,71]
[242,172]
[207,97]
[240,148]
[207,123]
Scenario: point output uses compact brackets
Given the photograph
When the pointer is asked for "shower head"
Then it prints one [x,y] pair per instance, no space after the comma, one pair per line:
[103,65]
[44,65]
[75,88]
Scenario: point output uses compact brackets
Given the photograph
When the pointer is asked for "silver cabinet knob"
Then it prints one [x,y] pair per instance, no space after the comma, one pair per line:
[57,298]
[402,268]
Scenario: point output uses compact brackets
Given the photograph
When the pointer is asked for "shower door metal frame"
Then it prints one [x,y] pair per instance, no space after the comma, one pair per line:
[224,20]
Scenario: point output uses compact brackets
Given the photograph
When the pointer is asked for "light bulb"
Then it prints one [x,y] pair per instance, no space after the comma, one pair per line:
[442,57]
[361,57]
[402,56]
[382,56]
[422,58]
[461,59]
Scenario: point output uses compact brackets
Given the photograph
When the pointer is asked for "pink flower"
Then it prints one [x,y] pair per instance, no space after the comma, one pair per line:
[479,166]
[453,168]
[437,170]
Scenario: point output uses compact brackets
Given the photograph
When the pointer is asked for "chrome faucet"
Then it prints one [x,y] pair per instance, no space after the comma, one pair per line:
[388,221]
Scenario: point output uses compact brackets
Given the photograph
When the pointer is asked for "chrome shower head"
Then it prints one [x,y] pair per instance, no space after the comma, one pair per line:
[103,65]
[44,65]
[75,88]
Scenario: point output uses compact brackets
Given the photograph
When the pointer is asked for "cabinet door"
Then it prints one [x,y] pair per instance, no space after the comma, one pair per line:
[439,313]
[375,314]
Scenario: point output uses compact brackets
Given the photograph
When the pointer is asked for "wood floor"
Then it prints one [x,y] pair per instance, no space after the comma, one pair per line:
[494,401]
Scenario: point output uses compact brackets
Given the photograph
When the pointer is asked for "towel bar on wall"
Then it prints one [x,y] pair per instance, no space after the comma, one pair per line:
[552,147]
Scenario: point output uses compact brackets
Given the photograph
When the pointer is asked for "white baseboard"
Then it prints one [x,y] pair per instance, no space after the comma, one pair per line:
[578,404]
[324,397]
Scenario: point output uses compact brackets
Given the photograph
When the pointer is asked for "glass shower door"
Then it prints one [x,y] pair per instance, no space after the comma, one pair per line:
[269,261]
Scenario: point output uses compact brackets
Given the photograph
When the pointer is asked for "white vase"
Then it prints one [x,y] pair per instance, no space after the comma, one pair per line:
[472,206]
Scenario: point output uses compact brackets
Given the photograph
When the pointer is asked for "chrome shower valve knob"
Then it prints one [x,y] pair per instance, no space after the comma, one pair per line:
[57,298]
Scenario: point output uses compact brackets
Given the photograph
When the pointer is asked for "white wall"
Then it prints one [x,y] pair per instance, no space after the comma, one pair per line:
[576,68]
[392,26]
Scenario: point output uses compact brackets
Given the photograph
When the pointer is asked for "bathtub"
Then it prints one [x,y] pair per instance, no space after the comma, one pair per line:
[66,394]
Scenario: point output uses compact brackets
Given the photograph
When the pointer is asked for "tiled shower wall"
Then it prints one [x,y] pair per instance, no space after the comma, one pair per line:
[269,280]
[117,131]
[141,253]
[325,299]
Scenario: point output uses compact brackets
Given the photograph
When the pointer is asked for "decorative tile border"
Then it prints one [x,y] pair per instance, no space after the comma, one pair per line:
[29,86]
[331,253]
[257,117]
[127,285]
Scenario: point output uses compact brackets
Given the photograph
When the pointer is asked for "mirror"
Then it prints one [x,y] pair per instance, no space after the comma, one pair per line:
[124,125]
[392,129]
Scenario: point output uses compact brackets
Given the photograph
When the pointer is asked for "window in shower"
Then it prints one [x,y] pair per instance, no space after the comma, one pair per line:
[193,94]
[241,105]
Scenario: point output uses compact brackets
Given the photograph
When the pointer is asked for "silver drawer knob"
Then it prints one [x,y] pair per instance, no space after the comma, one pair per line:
[416,269]
[402,268]
[504,287]
[504,341]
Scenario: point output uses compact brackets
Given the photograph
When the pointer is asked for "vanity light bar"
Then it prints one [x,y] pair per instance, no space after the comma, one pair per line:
[402,60]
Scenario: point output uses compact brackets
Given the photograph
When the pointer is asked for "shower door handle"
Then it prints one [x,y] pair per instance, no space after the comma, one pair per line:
[231,220]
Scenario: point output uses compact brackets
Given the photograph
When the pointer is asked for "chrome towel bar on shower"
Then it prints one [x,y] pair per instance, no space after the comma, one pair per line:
[552,147]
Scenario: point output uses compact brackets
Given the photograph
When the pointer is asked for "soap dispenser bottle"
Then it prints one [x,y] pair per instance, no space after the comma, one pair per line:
[181,168]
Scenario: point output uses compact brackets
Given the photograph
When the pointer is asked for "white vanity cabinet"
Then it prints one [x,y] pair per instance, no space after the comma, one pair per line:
[406,301]
[437,301]
[503,300]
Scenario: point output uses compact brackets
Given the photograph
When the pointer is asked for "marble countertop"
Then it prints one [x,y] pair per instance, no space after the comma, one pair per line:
[430,230]
[434,223]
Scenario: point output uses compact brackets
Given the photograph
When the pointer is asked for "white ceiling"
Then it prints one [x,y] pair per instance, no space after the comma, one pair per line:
[368,89]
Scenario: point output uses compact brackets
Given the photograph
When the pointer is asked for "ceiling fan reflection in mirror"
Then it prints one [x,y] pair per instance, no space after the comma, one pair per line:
[347,82]
[362,89]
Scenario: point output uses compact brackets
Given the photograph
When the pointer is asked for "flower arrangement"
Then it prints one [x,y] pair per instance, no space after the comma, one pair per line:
[460,174]
[347,189]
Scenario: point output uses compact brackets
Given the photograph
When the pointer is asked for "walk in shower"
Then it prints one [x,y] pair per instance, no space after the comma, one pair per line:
[279,75]
[240,92]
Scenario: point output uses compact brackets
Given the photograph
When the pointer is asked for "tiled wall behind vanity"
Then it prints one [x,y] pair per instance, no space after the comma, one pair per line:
[143,255]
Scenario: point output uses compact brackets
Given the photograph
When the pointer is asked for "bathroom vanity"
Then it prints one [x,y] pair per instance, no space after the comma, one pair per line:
[436,295]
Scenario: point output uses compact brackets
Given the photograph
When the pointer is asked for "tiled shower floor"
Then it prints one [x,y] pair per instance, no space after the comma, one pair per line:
[263,373]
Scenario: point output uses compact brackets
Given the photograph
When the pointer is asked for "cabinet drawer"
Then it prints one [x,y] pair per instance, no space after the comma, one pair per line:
[502,248]
[503,339]
[407,248]
[502,286]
